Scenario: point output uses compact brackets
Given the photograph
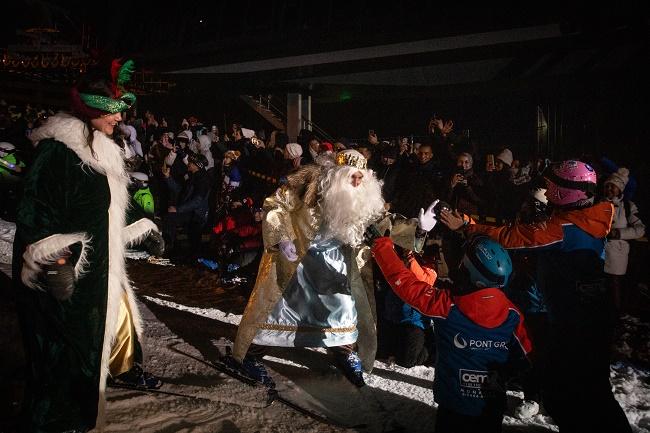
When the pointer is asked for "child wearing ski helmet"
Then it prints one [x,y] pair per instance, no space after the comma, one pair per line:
[141,192]
[570,275]
[478,331]
[10,165]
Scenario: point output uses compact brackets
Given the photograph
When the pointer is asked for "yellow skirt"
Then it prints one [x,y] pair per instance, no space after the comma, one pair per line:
[123,352]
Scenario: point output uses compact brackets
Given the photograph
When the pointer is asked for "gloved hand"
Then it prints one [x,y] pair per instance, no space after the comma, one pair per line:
[427,219]
[58,279]
[154,244]
[288,250]
[371,235]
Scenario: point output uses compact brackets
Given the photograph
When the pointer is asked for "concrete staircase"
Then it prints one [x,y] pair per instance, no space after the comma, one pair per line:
[261,106]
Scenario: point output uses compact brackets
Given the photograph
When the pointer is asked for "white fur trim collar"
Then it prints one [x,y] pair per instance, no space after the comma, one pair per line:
[108,157]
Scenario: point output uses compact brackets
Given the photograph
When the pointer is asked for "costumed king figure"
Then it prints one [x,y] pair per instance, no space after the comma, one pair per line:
[76,307]
[314,285]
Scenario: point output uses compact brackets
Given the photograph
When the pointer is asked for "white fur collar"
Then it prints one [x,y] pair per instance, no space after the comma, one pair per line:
[108,158]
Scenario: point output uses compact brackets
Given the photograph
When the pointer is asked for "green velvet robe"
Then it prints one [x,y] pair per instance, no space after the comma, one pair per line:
[76,201]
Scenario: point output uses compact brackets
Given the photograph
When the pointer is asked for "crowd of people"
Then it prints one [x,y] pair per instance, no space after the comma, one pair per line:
[476,245]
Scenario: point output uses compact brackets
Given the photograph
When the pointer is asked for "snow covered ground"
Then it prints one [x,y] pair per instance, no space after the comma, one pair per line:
[395,400]
[187,314]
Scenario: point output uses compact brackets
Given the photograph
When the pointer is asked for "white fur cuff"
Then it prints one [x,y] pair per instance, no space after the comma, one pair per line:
[47,251]
[138,231]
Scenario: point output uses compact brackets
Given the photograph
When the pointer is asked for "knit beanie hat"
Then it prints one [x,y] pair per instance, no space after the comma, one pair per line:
[505,156]
[294,150]
[185,135]
[619,178]
[197,159]
[326,147]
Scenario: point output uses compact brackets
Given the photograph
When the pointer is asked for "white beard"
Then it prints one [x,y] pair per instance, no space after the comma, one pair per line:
[347,211]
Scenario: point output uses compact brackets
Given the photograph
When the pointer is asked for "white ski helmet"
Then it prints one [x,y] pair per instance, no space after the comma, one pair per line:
[6,147]
[140,179]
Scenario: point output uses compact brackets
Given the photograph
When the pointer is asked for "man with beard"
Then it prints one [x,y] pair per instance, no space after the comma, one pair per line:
[314,285]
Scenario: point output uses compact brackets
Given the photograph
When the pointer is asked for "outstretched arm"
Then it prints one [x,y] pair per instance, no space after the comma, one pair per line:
[516,236]
[422,296]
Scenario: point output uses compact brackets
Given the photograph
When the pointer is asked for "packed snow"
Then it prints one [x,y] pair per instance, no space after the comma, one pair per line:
[186,319]
[396,399]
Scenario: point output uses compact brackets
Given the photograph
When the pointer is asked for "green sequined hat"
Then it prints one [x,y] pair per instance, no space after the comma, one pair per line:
[110,105]
[120,100]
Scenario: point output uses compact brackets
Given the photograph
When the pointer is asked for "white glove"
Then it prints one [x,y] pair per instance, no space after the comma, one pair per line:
[288,250]
[427,219]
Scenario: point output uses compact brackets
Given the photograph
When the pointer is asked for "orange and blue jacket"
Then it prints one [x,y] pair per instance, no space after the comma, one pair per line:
[570,259]
[397,311]
[566,230]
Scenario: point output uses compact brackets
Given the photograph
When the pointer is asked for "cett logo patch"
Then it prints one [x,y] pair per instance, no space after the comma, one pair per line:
[473,378]
[478,383]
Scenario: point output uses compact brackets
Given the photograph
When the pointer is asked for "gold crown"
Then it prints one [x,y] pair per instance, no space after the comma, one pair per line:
[345,158]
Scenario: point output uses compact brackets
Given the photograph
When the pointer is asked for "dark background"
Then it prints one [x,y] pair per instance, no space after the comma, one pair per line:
[590,81]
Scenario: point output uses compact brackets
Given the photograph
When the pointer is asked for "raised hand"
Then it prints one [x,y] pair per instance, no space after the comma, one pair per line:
[447,127]
[427,219]
[454,220]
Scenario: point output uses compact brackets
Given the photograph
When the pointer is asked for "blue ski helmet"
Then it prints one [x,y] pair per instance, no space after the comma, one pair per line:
[489,265]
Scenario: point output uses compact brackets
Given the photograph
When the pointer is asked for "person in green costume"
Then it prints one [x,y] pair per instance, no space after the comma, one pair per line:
[76,307]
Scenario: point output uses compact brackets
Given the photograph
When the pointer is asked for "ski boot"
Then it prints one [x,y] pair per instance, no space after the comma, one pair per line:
[350,365]
[256,369]
[250,367]
[136,377]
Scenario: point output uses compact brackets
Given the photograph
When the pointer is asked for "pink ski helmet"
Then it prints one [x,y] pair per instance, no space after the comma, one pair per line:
[569,182]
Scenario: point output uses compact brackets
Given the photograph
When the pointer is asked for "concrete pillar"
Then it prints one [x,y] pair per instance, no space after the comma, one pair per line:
[306,112]
[294,112]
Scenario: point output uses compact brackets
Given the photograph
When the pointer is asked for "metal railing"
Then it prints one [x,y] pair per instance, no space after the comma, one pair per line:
[266,102]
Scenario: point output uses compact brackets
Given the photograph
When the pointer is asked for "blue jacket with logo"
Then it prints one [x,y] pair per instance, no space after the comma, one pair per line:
[476,335]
